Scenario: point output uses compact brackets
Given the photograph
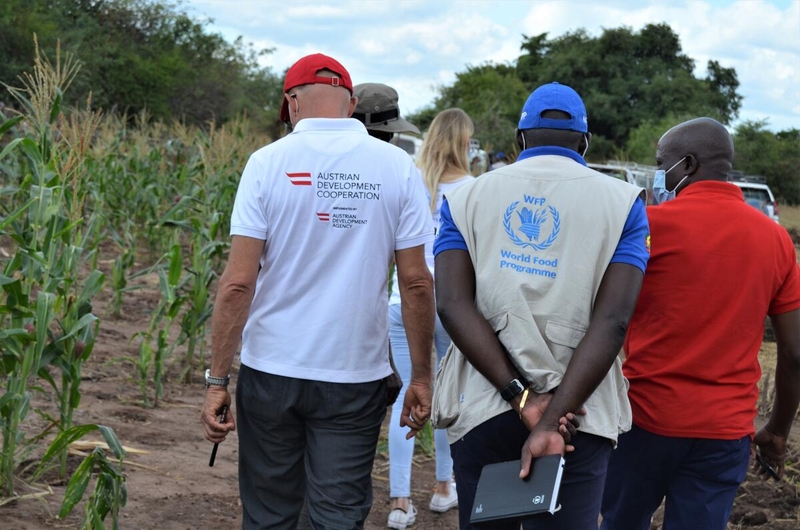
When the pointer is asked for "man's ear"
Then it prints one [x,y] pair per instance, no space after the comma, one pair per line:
[353,104]
[690,165]
[520,139]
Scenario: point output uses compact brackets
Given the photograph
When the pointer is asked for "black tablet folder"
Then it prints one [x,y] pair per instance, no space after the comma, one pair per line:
[503,496]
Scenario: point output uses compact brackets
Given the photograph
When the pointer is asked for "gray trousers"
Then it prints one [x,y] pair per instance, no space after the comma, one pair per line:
[302,439]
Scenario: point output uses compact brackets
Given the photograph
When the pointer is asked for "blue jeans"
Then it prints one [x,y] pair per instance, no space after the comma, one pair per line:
[699,478]
[401,451]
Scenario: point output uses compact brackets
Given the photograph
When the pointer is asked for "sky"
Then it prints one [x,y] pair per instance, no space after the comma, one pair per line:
[417,46]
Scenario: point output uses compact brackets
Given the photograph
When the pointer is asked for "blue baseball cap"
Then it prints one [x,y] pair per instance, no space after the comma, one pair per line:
[554,96]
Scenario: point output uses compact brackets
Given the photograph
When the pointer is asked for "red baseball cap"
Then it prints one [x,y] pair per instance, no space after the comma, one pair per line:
[304,72]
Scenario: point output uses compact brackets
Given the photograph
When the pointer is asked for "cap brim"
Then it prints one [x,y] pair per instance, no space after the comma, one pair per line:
[395,126]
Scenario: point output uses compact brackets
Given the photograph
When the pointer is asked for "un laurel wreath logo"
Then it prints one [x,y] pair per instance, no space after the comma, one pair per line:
[531,222]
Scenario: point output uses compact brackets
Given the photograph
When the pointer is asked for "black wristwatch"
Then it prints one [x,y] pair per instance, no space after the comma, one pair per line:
[512,390]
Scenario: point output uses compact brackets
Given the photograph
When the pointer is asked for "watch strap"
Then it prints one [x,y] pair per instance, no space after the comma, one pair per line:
[216,381]
[512,390]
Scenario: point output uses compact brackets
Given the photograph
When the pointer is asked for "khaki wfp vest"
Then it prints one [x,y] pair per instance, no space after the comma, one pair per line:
[540,233]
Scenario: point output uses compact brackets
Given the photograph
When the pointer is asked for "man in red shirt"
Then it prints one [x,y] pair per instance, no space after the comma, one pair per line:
[717,268]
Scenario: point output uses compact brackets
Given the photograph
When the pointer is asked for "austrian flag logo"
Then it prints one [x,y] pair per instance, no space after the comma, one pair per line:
[300,179]
[324,217]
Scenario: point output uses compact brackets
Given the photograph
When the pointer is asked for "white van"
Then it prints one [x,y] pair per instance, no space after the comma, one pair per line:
[759,196]
[409,143]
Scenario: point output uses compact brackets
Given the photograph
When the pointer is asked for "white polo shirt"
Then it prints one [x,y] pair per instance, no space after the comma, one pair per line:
[332,204]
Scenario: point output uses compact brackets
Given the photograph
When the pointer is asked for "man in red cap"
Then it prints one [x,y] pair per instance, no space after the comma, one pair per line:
[318,217]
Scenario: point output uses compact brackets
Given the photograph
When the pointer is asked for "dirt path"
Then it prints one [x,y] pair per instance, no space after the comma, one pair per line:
[172,487]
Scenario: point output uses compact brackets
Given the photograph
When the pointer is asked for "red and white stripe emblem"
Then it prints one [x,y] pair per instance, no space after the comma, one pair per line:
[300,179]
[323,216]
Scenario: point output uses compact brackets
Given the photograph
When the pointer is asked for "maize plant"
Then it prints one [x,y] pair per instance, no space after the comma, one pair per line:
[45,293]
[170,283]
[22,341]
[109,493]
[121,267]
[198,300]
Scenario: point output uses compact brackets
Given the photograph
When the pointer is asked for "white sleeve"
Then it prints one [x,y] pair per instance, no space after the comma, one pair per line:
[249,217]
[416,225]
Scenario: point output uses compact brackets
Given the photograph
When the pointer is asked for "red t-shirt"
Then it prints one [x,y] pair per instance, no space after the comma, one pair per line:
[717,267]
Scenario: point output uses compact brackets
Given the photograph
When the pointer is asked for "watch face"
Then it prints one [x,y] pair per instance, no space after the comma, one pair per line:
[513,389]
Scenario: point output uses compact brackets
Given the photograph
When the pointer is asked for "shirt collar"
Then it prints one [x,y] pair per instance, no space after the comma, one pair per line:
[550,150]
[716,187]
[329,124]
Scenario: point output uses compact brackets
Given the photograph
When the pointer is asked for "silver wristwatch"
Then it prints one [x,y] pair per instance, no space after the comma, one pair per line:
[217,381]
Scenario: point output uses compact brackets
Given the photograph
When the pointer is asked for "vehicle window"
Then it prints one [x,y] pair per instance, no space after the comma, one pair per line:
[406,145]
[755,194]
[616,173]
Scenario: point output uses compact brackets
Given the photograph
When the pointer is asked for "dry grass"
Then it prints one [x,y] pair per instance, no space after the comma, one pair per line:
[768,357]
[789,216]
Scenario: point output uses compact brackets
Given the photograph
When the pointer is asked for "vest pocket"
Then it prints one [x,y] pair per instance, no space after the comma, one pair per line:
[445,405]
[564,338]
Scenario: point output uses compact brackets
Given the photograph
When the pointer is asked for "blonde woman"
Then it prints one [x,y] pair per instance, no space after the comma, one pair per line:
[444,163]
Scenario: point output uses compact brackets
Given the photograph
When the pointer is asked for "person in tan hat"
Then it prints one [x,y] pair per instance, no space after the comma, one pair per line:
[318,216]
[379,111]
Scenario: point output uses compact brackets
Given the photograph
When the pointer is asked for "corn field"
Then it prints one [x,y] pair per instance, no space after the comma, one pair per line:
[78,185]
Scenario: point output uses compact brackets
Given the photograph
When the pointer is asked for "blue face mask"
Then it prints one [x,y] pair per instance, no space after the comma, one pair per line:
[660,193]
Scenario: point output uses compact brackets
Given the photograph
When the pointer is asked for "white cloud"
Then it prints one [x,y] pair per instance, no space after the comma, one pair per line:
[418,45]
[372,47]
[760,40]
[318,11]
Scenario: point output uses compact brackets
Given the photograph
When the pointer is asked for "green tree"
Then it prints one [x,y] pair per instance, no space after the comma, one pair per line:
[492,95]
[643,140]
[139,54]
[627,78]
[775,156]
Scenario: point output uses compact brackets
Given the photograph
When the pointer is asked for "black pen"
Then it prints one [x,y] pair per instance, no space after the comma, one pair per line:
[216,445]
[766,467]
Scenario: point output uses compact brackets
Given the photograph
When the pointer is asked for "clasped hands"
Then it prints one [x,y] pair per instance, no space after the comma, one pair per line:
[546,437]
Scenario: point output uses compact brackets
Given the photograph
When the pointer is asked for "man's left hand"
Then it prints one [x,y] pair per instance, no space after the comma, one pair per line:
[416,406]
[217,399]
[535,407]
[542,441]
[772,449]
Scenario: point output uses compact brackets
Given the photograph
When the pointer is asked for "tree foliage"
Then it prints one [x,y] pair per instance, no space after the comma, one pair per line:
[775,156]
[139,54]
[627,79]
[492,93]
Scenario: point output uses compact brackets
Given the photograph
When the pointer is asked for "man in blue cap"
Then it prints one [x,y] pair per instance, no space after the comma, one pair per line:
[561,250]
[499,161]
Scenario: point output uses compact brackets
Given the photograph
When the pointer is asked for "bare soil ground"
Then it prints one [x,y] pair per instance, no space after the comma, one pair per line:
[172,487]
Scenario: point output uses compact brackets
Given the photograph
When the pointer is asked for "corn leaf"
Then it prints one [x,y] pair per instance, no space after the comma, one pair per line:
[84,321]
[16,214]
[112,441]
[93,285]
[63,440]
[10,123]
[10,147]
[56,110]
[77,484]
